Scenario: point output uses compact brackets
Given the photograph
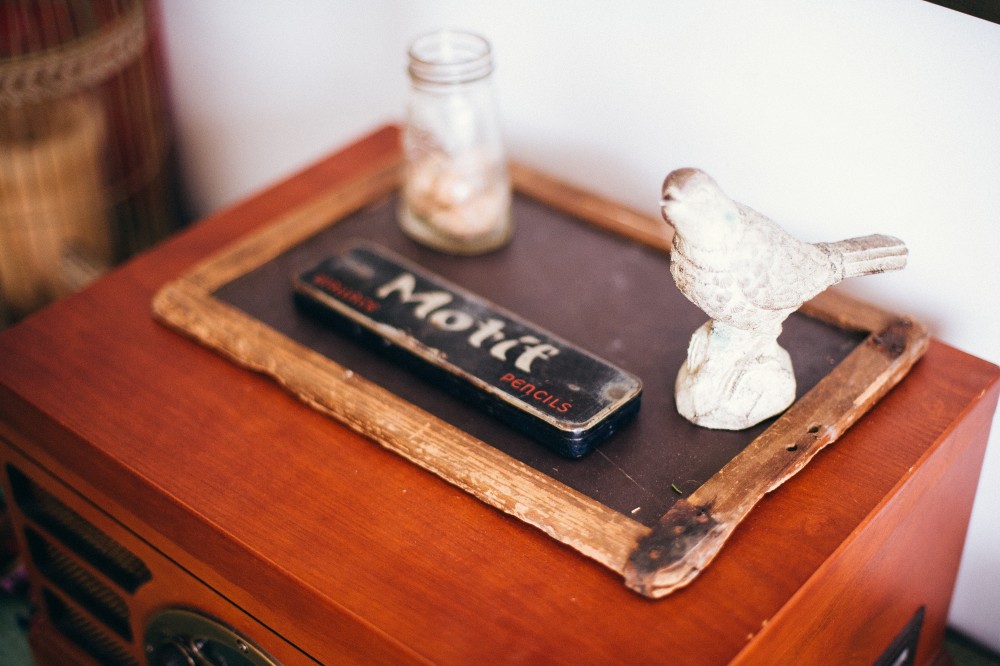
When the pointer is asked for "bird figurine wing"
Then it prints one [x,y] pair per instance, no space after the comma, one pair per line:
[781,271]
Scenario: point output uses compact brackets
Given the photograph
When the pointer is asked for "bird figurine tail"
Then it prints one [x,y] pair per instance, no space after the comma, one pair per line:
[867,255]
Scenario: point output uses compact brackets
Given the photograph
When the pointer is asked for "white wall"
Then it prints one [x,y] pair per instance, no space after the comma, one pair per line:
[836,118]
[262,88]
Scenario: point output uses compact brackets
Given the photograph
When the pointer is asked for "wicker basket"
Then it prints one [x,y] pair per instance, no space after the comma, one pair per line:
[53,212]
[86,176]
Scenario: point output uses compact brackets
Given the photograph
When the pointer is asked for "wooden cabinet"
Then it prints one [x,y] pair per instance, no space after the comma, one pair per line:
[316,544]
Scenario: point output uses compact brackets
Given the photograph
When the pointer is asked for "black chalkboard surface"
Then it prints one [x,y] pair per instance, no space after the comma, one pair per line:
[603,292]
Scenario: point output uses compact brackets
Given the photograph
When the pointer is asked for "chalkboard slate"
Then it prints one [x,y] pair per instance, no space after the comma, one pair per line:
[659,499]
[605,293]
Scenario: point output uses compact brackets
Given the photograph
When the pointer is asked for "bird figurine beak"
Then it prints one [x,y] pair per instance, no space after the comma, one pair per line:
[664,202]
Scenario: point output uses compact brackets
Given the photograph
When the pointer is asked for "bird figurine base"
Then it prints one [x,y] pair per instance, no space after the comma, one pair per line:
[748,275]
[733,379]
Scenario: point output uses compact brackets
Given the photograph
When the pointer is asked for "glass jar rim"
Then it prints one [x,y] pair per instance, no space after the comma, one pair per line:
[450,57]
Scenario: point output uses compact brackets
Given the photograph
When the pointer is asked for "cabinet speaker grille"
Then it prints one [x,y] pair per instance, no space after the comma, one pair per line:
[84,633]
[75,533]
[89,592]
[85,573]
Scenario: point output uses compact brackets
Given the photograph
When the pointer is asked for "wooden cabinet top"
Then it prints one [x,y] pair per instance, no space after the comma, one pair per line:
[335,541]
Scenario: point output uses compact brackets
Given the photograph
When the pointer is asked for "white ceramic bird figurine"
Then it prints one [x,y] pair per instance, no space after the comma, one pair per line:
[748,275]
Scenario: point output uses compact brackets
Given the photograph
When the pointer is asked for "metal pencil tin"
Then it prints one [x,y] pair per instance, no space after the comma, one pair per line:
[560,395]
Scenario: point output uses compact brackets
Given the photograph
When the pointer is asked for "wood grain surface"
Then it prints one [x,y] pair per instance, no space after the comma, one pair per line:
[355,555]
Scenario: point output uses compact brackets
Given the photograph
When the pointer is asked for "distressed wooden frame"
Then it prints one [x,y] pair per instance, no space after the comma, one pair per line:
[654,562]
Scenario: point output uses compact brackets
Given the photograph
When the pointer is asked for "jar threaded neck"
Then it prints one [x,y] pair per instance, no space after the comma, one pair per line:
[449,57]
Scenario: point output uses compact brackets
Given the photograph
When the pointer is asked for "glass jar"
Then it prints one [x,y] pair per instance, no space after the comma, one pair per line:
[456,188]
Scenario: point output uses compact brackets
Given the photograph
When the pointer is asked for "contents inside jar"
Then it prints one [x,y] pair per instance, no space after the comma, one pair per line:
[464,196]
